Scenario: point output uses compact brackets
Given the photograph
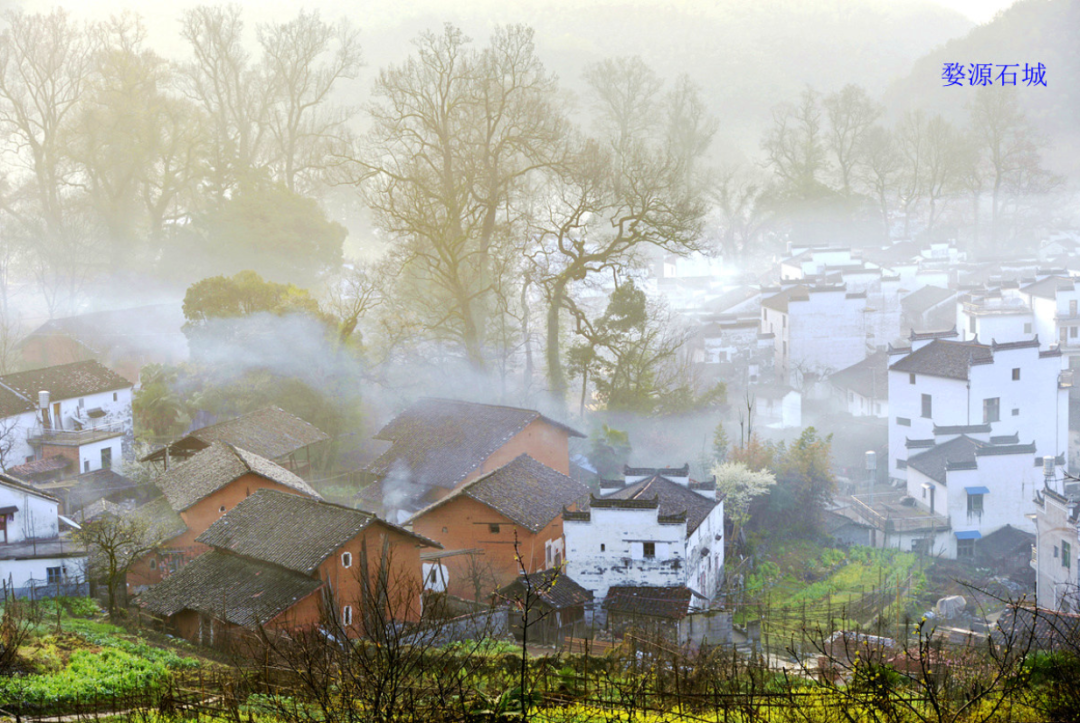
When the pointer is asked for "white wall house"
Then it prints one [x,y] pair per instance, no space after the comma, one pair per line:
[34,558]
[1000,390]
[816,330]
[862,389]
[1057,550]
[1055,305]
[81,411]
[659,530]
[979,485]
[1002,315]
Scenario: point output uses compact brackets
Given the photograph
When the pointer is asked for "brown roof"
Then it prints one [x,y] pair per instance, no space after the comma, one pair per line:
[271,433]
[554,588]
[291,531]
[524,491]
[229,587]
[65,381]
[658,602]
[41,466]
[12,402]
[441,441]
[216,466]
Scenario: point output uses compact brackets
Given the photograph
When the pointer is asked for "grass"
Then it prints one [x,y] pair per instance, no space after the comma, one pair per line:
[797,580]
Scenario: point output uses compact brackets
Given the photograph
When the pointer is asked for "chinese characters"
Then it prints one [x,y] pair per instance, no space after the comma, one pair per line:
[987,74]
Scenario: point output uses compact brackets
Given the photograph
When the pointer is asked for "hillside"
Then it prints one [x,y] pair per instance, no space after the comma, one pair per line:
[1031,31]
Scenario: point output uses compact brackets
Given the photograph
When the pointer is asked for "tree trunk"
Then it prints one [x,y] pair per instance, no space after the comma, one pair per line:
[556,376]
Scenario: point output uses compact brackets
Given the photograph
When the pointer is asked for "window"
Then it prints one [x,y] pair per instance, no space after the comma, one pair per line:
[975,505]
[603,547]
[911,378]
[346,615]
[991,410]
[221,509]
[1016,412]
[1055,552]
[153,563]
[971,324]
[1066,550]
[493,529]
[1016,374]
[1072,331]
[433,576]
[53,575]
[114,397]
[649,549]
[903,421]
[86,466]
[1027,328]
[1072,308]
[927,406]
[901,464]
[106,458]
[346,559]
[965,549]
[785,348]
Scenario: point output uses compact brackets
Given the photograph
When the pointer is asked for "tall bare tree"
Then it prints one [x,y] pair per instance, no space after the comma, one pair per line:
[851,113]
[457,134]
[880,163]
[795,145]
[303,61]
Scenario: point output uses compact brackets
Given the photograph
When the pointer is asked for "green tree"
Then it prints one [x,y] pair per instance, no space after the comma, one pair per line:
[159,413]
[609,451]
[721,444]
[805,481]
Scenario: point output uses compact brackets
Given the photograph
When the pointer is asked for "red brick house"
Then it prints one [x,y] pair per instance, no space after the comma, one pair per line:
[200,491]
[283,561]
[478,522]
[438,445]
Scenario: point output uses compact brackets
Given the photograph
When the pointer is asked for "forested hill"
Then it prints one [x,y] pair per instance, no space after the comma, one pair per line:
[1031,31]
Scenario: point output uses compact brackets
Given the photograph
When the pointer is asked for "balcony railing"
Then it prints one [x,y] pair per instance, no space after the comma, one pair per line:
[74,437]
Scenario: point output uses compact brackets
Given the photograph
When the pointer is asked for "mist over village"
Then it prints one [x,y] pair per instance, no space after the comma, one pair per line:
[556,362]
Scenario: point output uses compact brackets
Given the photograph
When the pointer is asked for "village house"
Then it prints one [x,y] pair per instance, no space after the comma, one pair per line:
[651,611]
[862,389]
[929,307]
[200,491]
[124,340]
[979,485]
[36,558]
[79,411]
[1001,315]
[1012,389]
[1056,554]
[554,602]
[57,476]
[272,433]
[438,445]
[1055,304]
[283,562]
[657,529]
[486,524]
[776,406]
[817,330]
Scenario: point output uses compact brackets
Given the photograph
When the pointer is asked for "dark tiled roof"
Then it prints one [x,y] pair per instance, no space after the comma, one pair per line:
[683,471]
[1048,287]
[161,520]
[15,483]
[934,462]
[1005,449]
[1047,629]
[289,530]
[231,588]
[153,329]
[441,441]
[216,466]
[12,402]
[949,359]
[91,486]
[926,298]
[672,603]
[560,594]
[868,378]
[271,433]
[780,301]
[674,499]
[525,491]
[66,381]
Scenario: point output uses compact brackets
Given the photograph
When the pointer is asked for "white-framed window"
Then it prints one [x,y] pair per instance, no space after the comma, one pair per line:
[346,615]
[346,559]
[221,509]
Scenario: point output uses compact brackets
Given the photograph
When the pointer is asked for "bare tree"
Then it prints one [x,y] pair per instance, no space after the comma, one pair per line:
[880,164]
[303,61]
[851,113]
[116,543]
[795,146]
